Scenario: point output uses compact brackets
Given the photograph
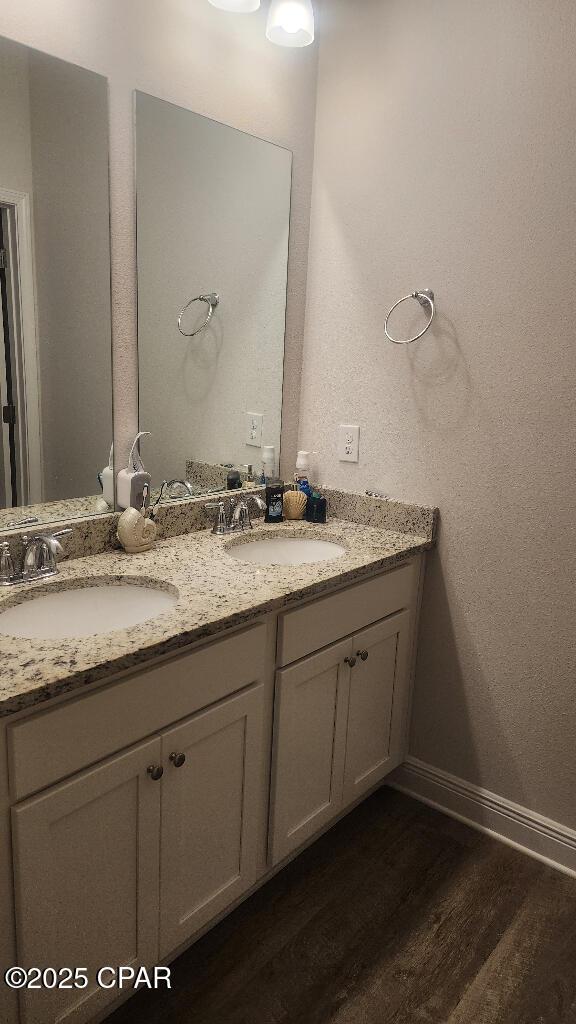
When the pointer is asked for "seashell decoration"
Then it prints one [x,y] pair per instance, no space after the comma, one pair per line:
[135,532]
[294,504]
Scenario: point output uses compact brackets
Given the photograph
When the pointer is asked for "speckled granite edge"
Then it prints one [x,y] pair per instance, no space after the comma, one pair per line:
[95,535]
[382,513]
[209,475]
[187,516]
[215,592]
[92,535]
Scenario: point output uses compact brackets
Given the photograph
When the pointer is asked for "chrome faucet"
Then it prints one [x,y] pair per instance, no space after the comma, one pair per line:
[240,512]
[182,484]
[238,520]
[40,556]
[165,492]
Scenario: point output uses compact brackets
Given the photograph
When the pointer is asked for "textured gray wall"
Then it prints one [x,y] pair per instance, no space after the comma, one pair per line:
[15,152]
[445,158]
[218,64]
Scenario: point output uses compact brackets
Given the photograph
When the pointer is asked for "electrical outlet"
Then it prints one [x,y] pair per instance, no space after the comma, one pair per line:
[348,443]
[254,424]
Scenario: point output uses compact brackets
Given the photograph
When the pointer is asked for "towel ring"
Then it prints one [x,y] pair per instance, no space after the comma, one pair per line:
[211,300]
[426,298]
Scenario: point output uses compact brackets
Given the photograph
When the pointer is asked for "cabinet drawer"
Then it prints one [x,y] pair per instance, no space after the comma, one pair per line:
[53,744]
[324,621]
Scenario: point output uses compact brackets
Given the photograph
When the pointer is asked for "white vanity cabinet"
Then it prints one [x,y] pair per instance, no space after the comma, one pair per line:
[309,748]
[377,705]
[159,839]
[145,809]
[86,863]
[340,726]
[210,818]
[128,859]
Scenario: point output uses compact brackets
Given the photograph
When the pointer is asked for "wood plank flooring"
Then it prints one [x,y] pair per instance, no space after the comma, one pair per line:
[398,915]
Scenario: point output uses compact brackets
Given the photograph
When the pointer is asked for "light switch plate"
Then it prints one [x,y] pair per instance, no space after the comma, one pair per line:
[348,443]
[254,423]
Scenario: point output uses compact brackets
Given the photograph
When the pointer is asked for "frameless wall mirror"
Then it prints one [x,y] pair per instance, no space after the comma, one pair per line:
[213,223]
[55,337]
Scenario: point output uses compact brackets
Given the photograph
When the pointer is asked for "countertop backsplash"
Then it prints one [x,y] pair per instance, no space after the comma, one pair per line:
[93,535]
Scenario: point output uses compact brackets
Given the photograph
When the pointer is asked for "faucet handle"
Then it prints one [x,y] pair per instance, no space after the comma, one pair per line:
[6,563]
[220,523]
[53,541]
[59,533]
[258,501]
[241,517]
[53,547]
[42,551]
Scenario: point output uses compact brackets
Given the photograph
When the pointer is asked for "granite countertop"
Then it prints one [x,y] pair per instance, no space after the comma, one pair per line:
[214,591]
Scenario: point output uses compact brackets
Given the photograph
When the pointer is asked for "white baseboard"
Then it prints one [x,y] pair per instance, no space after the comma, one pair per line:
[539,837]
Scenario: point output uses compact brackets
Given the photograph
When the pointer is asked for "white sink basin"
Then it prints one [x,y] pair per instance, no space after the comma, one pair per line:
[286,551]
[85,611]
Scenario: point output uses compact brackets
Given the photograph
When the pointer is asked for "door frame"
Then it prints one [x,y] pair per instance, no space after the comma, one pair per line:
[5,471]
[22,301]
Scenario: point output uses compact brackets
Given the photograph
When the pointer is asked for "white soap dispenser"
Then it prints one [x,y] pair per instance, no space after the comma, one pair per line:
[302,474]
[269,462]
[106,478]
[132,481]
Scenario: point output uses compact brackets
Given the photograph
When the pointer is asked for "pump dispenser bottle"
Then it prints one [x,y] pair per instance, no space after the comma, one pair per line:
[106,478]
[302,474]
[131,482]
[269,462]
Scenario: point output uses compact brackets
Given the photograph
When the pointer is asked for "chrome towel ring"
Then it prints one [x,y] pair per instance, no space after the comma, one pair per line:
[426,298]
[211,300]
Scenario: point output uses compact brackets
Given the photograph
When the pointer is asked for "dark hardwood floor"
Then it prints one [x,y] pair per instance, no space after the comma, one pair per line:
[396,915]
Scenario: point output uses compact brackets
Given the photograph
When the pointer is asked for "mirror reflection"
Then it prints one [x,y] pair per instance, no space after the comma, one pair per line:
[213,224]
[55,337]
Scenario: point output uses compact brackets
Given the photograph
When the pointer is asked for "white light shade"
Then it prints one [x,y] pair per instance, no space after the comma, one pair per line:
[291,23]
[236,6]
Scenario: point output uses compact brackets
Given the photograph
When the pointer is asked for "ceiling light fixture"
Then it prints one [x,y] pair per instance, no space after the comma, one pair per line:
[290,22]
[236,6]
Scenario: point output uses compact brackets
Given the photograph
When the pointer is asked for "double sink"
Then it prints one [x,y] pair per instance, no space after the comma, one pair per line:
[82,611]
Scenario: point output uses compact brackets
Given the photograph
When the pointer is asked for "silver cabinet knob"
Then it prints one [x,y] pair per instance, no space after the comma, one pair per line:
[178,759]
[350,661]
[155,771]
[363,655]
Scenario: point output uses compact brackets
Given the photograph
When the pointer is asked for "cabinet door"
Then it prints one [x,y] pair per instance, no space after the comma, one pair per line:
[86,880]
[309,738]
[377,703]
[211,820]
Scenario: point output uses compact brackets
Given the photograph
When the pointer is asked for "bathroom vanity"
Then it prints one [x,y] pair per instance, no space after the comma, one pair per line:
[157,775]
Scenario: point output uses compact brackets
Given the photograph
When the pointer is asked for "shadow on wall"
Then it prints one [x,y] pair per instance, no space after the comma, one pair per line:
[468,707]
[200,362]
[441,384]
